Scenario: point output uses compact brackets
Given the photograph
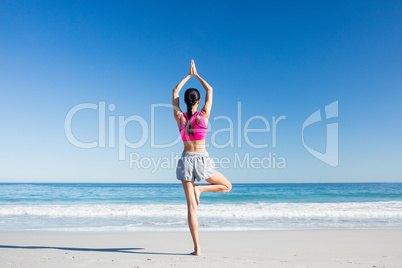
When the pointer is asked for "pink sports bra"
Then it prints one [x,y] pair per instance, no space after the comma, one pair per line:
[200,129]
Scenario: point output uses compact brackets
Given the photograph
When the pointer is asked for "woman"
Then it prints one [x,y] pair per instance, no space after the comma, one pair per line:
[195,163]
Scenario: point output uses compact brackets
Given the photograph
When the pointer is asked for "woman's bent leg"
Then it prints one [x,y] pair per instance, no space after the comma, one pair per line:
[218,183]
[192,205]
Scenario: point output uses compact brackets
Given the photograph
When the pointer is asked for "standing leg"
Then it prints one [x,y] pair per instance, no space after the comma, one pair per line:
[192,205]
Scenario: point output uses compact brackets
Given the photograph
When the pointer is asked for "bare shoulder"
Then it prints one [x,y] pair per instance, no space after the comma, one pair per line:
[205,113]
[178,114]
[177,117]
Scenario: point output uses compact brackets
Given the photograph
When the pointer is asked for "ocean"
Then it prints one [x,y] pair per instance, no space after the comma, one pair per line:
[162,207]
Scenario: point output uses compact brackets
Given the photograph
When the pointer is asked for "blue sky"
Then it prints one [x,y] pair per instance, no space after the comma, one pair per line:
[287,58]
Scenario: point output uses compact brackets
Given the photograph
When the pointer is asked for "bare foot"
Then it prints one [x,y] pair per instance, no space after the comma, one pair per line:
[197,193]
[196,253]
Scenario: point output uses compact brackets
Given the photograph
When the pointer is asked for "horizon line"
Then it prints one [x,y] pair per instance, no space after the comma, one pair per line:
[197,182]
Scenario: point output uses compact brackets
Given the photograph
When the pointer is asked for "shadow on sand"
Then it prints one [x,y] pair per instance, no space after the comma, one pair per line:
[119,250]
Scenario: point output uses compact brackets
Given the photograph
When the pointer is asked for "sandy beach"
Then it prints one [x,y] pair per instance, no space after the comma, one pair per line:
[301,248]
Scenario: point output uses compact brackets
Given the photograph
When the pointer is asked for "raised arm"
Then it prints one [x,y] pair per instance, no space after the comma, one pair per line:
[206,110]
[175,98]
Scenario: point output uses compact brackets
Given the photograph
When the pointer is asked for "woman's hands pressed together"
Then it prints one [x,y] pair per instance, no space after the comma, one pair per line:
[193,70]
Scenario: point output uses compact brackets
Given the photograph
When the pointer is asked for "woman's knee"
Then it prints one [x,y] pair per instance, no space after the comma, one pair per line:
[192,208]
[228,187]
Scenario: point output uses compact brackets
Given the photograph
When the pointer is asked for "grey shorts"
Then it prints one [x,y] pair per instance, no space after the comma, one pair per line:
[195,166]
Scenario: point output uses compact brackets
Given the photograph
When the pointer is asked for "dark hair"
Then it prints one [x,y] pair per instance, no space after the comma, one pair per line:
[191,96]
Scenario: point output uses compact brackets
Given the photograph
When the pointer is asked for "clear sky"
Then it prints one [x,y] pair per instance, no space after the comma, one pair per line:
[271,58]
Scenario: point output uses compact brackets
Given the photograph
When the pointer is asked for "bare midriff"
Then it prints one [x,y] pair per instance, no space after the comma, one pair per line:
[194,146]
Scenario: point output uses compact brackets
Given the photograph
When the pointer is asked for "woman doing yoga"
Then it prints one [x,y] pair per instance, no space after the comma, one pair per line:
[195,164]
